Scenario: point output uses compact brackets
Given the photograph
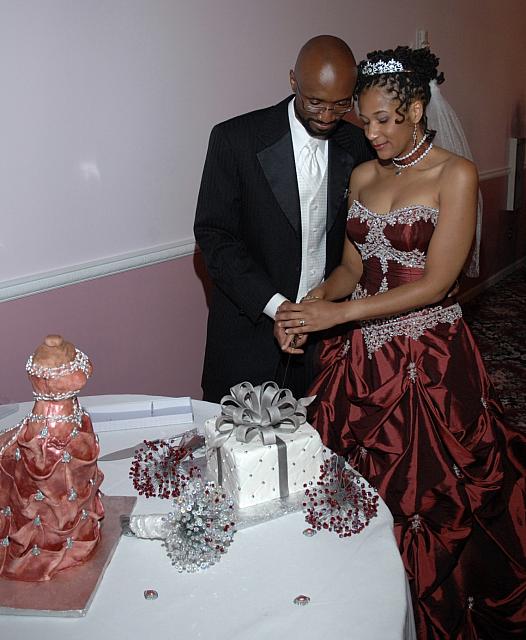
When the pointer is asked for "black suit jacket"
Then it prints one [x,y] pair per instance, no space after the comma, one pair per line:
[248,226]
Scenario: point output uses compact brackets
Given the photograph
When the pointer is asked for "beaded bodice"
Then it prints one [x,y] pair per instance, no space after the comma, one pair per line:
[393,247]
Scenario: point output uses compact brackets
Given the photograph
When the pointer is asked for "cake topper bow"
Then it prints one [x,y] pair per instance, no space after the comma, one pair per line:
[264,411]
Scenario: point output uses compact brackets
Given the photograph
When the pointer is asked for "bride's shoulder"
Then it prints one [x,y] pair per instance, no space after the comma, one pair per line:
[363,173]
[455,165]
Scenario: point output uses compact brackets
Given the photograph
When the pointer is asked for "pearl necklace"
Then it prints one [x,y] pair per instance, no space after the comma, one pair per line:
[399,162]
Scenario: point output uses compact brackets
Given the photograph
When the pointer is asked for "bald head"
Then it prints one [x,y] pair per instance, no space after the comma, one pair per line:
[325,55]
[324,74]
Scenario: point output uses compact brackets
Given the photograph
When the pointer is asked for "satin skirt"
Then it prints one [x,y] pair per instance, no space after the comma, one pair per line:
[421,421]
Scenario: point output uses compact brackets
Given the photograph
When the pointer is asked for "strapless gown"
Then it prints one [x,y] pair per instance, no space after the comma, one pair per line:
[408,401]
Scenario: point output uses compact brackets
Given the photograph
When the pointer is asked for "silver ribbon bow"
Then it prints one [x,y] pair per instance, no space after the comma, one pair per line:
[264,411]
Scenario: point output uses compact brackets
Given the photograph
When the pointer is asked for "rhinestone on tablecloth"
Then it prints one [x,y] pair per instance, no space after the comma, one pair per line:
[301,600]
[150,594]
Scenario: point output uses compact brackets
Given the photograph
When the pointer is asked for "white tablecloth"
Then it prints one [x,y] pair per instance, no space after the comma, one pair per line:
[357,585]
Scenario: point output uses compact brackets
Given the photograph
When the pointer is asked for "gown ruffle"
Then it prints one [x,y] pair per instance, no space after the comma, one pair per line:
[408,401]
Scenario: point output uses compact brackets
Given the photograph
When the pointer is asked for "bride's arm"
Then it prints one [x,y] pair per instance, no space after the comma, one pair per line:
[343,280]
[447,252]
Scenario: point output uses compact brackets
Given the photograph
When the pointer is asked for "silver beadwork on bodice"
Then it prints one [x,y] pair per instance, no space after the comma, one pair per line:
[377,245]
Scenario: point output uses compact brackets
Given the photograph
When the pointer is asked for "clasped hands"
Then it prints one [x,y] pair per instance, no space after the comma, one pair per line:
[294,320]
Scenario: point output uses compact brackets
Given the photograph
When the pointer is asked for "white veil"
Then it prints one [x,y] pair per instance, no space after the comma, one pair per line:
[450,136]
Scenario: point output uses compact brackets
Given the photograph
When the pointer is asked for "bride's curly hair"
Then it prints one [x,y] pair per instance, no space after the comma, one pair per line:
[420,67]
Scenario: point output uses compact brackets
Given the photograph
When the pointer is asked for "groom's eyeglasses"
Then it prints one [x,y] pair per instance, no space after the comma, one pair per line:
[317,106]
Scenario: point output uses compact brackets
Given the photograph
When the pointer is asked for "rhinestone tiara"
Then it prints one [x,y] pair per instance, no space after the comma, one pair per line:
[377,68]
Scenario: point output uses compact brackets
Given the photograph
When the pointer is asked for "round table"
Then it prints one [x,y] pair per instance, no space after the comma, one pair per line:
[357,585]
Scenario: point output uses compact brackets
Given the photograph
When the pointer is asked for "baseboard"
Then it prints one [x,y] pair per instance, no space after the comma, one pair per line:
[489,282]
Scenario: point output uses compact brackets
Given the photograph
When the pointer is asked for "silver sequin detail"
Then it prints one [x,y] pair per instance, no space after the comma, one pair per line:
[35,551]
[84,514]
[74,417]
[412,325]
[4,542]
[18,455]
[345,348]
[54,397]
[74,432]
[363,452]
[66,457]
[39,496]
[416,522]
[412,372]
[471,602]
[383,285]
[72,495]
[484,402]
[69,543]
[79,363]
[44,432]
[7,511]
[457,471]
[37,521]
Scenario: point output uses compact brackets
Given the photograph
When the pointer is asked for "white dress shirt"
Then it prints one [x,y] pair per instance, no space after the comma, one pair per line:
[312,248]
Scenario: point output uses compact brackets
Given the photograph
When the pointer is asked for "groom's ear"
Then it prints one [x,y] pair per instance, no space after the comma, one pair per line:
[292,79]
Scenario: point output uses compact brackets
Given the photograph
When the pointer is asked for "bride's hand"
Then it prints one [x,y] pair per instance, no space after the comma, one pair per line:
[289,343]
[309,316]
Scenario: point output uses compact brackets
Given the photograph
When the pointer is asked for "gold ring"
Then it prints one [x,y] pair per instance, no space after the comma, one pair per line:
[302,322]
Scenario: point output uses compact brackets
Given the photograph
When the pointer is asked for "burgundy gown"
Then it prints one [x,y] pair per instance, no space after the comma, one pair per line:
[407,399]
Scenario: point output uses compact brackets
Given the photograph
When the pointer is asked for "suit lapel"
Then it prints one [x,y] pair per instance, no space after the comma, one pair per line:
[340,165]
[276,157]
[277,162]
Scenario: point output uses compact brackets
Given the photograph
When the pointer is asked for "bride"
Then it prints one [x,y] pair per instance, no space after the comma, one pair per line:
[402,391]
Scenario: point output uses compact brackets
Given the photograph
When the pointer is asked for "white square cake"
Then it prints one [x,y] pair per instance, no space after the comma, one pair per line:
[252,472]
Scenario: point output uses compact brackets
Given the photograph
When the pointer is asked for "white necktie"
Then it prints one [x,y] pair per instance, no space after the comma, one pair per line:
[309,165]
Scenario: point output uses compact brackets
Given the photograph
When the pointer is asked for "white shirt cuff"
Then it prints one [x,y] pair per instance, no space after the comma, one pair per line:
[273,304]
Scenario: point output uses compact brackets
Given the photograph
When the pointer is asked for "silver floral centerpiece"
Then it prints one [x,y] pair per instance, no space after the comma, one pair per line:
[201,525]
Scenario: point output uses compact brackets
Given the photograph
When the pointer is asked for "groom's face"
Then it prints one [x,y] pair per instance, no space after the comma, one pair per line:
[323,96]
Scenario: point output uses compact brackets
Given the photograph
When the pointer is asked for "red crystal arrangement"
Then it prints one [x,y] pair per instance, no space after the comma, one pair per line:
[162,469]
[341,501]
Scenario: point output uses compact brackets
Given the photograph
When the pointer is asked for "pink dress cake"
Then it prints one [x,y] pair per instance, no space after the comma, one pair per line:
[50,507]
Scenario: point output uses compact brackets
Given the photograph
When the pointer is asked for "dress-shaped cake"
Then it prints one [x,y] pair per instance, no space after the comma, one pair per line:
[50,507]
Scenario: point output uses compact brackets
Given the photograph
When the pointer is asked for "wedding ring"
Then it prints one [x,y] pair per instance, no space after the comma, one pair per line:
[302,322]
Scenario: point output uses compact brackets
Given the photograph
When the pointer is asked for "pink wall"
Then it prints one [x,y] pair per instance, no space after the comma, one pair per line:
[144,330]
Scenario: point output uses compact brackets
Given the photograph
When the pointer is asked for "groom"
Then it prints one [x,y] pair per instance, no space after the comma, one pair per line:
[271,215]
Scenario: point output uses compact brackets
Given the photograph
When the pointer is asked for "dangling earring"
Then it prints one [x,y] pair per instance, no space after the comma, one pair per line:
[415,136]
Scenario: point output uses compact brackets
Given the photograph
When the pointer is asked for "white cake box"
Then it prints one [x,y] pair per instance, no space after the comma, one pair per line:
[137,412]
[252,472]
